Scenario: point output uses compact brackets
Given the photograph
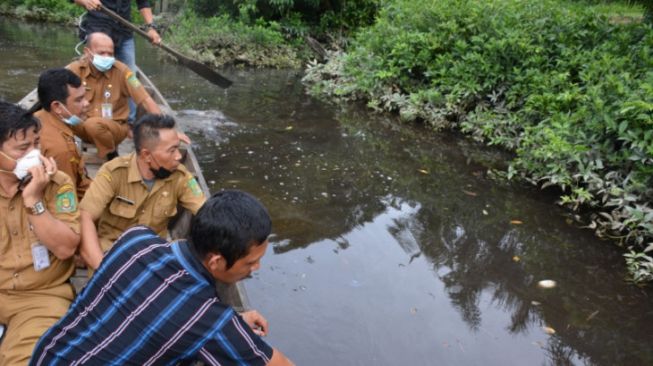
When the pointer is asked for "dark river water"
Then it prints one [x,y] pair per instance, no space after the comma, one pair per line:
[391,245]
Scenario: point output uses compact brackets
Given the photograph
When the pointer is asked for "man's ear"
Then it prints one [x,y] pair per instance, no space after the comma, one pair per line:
[55,107]
[146,154]
[216,263]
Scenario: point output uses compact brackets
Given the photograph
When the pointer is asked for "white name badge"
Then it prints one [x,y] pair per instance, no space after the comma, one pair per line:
[40,257]
[107,110]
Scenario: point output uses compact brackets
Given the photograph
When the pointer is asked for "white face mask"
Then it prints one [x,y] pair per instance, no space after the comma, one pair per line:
[31,159]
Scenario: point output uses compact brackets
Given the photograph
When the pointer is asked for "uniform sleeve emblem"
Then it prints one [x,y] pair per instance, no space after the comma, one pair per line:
[133,80]
[194,187]
[66,202]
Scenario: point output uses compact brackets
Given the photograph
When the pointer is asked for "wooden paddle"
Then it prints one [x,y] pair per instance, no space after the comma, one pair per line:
[198,67]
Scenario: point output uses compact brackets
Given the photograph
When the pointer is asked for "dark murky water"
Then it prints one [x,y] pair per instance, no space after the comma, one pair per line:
[391,246]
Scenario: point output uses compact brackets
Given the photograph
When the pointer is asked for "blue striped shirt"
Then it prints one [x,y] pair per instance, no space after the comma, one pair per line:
[151,302]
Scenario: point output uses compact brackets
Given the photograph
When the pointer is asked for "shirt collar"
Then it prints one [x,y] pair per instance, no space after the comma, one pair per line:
[190,260]
[56,122]
[134,174]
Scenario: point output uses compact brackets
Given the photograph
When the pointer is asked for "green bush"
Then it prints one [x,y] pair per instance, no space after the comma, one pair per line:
[221,40]
[49,10]
[318,14]
[564,87]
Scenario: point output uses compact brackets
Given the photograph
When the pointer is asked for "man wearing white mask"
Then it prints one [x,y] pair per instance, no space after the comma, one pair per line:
[39,233]
[62,98]
[109,84]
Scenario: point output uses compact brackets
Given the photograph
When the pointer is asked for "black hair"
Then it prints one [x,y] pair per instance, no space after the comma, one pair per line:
[229,224]
[53,86]
[15,119]
[147,128]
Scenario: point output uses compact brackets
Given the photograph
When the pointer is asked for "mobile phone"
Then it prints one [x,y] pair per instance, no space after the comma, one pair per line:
[25,181]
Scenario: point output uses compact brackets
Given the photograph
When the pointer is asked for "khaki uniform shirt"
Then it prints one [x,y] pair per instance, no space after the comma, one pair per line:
[58,142]
[119,198]
[114,86]
[16,237]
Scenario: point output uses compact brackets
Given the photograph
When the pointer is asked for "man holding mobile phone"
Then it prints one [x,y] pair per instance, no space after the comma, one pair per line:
[39,233]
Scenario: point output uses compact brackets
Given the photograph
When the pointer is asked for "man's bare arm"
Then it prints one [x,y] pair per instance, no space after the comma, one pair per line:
[279,359]
[90,250]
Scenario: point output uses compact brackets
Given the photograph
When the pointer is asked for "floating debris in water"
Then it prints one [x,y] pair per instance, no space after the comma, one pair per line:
[516,258]
[548,330]
[546,284]
[485,213]
[289,128]
[536,303]
[423,171]
[516,222]
[413,311]
[470,193]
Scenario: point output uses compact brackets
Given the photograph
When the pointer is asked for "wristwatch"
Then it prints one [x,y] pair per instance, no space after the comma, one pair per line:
[37,209]
[146,27]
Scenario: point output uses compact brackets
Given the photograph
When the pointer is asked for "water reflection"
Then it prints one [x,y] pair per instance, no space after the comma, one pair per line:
[391,245]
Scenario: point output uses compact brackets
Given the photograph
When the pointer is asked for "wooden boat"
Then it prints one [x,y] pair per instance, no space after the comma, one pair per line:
[179,227]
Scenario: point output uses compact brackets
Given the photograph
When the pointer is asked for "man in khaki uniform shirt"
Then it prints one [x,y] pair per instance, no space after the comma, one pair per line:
[62,96]
[141,188]
[109,84]
[39,233]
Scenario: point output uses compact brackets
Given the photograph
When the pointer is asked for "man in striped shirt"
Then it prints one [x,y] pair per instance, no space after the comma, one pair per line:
[153,302]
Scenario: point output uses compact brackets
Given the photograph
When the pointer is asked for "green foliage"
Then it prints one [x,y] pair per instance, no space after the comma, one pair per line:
[566,88]
[49,10]
[319,14]
[220,40]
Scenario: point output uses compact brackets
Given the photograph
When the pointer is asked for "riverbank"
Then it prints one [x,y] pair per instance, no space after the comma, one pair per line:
[219,35]
[216,41]
[560,83]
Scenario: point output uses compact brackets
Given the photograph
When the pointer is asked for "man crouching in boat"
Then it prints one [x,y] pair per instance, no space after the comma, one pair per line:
[154,302]
[141,188]
[109,84]
[39,233]
[62,97]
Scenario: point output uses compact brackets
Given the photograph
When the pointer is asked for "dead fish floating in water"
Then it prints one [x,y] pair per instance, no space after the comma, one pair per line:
[548,330]
[546,284]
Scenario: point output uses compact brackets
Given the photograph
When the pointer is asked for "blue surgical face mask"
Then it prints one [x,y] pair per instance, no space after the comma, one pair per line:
[73,120]
[103,63]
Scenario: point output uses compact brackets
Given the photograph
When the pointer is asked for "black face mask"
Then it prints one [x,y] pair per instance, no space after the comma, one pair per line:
[161,172]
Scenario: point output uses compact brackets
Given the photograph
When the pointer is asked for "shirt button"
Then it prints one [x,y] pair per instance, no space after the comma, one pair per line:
[15,275]
[14,232]
[11,208]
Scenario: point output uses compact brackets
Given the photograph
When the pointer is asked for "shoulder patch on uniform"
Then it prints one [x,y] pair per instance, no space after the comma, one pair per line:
[106,175]
[66,202]
[65,188]
[133,80]
[194,187]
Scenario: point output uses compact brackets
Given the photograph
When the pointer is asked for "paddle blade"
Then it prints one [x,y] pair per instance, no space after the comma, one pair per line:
[205,72]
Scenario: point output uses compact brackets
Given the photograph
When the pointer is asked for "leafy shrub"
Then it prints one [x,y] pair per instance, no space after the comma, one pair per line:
[220,40]
[565,88]
[325,15]
[50,10]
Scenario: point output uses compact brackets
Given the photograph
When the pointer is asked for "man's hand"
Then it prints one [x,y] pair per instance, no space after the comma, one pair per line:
[256,321]
[183,137]
[89,4]
[154,36]
[33,191]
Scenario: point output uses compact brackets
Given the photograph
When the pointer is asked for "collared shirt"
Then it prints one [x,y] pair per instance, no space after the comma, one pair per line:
[58,142]
[97,21]
[150,303]
[119,198]
[115,86]
[17,237]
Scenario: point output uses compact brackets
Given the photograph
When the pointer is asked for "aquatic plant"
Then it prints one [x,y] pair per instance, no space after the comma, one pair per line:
[560,84]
